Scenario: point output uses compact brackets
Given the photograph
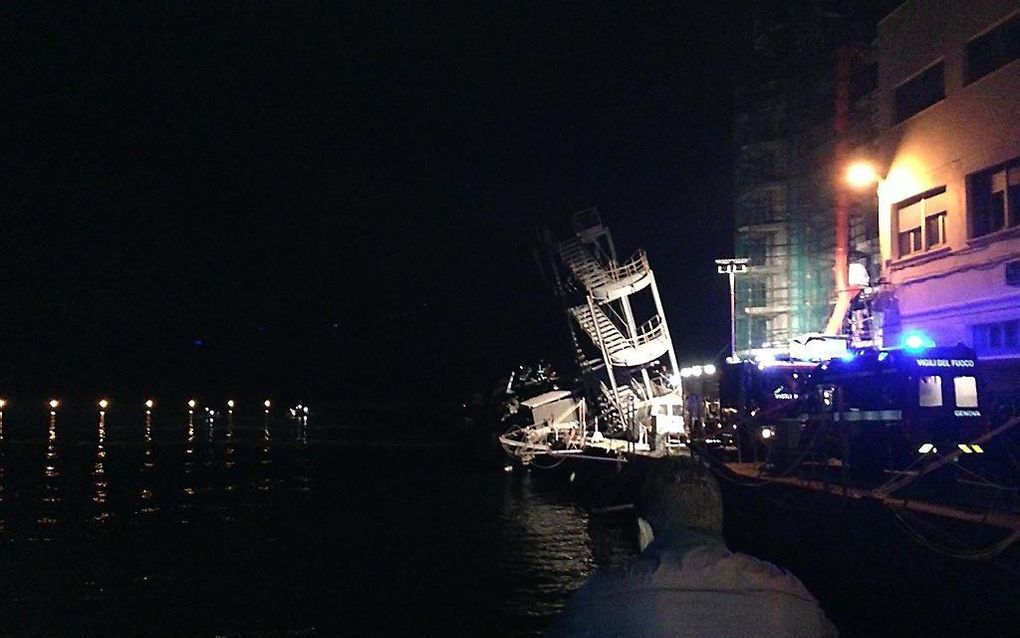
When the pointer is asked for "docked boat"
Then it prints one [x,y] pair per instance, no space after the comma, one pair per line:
[629,399]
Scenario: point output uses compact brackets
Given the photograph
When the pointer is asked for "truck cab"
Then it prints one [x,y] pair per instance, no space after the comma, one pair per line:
[896,404]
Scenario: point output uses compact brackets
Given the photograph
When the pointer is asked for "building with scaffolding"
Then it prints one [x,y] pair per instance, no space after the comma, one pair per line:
[809,93]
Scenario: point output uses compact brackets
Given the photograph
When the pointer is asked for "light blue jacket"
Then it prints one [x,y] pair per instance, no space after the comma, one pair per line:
[690,584]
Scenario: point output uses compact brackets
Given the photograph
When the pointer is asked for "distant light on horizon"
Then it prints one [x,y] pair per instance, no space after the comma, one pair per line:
[149,403]
[54,404]
[103,403]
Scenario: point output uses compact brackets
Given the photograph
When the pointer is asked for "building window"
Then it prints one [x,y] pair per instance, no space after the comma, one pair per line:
[763,206]
[756,294]
[929,392]
[995,49]
[759,330]
[994,198]
[761,164]
[910,241]
[934,230]
[757,250]
[921,92]
[1002,337]
[921,222]
[1013,273]
[965,389]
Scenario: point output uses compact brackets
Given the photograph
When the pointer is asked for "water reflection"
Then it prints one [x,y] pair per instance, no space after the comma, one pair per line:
[229,441]
[465,523]
[51,496]
[145,488]
[229,475]
[303,463]
[265,482]
[266,439]
[3,471]
[3,488]
[100,483]
[547,547]
[188,486]
[209,438]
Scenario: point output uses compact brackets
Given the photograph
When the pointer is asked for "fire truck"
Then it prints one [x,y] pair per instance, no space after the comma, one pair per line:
[754,397]
[871,409]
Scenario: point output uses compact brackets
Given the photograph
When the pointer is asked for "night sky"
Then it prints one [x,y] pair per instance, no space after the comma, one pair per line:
[338,201]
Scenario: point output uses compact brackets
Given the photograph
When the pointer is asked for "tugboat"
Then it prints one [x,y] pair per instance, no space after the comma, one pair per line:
[629,401]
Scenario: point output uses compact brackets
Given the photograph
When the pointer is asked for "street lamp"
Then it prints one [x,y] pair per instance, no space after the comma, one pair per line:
[731,267]
[859,175]
[862,175]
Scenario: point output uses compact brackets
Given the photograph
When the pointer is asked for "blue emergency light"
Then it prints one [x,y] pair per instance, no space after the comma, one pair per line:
[916,341]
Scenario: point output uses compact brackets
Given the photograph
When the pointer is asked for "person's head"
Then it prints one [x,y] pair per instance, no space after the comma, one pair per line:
[679,493]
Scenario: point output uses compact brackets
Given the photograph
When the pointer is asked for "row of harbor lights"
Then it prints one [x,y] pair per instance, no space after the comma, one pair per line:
[696,371]
[150,405]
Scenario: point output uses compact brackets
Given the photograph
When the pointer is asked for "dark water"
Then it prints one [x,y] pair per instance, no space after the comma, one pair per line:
[314,529]
[292,530]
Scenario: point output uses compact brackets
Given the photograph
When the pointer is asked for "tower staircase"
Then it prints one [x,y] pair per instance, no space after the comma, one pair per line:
[601,276]
[649,342]
[599,294]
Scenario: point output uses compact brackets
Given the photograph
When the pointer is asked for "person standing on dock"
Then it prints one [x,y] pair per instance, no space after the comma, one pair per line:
[686,582]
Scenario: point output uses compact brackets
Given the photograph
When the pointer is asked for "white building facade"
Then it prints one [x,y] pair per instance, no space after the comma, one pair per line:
[949,199]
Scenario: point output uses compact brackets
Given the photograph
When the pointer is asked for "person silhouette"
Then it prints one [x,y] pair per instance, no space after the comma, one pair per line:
[686,582]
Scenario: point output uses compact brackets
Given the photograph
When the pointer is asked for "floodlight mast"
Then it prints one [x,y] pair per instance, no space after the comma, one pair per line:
[732,267]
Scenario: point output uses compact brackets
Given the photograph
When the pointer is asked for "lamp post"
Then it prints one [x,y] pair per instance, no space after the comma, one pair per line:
[731,267]
[859,175]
